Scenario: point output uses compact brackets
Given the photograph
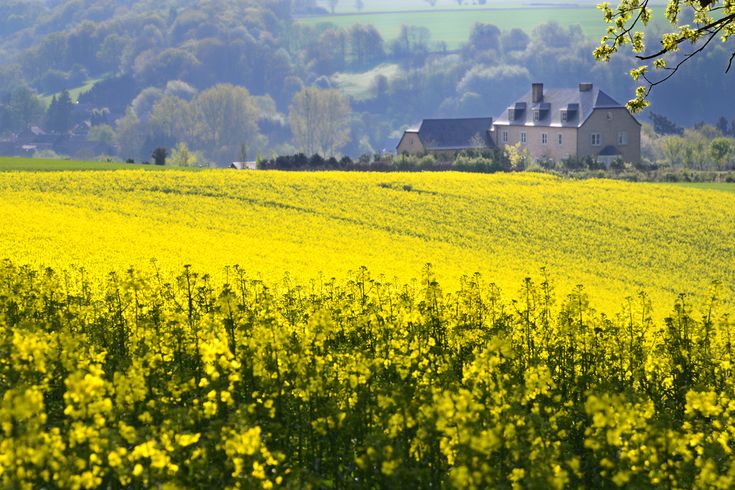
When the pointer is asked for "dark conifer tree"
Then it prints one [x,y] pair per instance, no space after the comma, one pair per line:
[58,117]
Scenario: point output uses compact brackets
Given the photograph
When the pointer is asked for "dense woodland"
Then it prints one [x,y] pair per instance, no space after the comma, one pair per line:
[224,80]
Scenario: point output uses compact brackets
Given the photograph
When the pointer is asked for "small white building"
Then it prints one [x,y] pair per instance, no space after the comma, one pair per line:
[251,165]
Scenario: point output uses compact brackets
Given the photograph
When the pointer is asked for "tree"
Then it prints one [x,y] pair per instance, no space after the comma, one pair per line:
[159,156]
[58,117]
[182,157]
[663,125]
[694,25]
[722,125]
[129,136]
[514,40]
[412,44]
[517,156]
[366,45]
[102,133]
[484,37]
[143,103]
[111,52]
[332,4]
[720,149]
[359,5]
[182,90]
[320,121]
[380,86]
[487,81]
[173,118]
[226,117]
[695,152]
[327,54]
[19,109]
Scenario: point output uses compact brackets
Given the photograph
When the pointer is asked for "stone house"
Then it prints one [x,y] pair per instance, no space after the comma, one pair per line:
[447,137]
[562,123]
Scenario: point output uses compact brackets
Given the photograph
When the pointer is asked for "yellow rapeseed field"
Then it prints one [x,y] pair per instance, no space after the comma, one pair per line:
[116,372]
[615,238]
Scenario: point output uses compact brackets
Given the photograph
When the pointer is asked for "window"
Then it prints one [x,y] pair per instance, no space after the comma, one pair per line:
[564,116]
[504,136]
[536,115]
[623,138]
[596,140]
[544,139]
[523,136]
[560,139]
[609,116]
[511,114]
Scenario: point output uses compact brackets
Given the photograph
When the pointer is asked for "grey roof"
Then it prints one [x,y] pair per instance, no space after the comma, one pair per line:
[578,104]
[455,134]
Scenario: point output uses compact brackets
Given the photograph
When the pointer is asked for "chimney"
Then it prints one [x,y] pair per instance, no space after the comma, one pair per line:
[537,92]
[585,87]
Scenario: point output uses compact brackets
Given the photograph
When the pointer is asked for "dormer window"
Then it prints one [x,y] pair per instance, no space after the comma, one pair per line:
[564,116]
[536,115]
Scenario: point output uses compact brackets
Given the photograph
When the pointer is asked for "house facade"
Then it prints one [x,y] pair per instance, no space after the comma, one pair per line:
[556,124]
[562,123]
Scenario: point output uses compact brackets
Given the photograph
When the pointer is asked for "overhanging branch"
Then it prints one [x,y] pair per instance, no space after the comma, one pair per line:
[719,24]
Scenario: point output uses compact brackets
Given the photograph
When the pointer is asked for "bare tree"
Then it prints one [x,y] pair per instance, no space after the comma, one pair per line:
[320,121]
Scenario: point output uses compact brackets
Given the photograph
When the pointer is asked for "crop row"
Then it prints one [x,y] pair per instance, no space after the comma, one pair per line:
[182,381]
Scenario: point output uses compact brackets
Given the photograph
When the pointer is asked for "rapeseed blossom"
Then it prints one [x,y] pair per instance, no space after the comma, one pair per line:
[174,381]
[604,234]
[300,370]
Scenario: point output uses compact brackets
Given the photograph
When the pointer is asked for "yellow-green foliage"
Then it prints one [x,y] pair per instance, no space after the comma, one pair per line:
[615,238]
[178,382]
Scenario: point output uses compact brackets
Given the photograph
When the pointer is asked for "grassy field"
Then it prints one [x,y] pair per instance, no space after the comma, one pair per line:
[73,93]
[454,27]
[603,234]
[348,7]
[42,165]
[717,186]
[360,85]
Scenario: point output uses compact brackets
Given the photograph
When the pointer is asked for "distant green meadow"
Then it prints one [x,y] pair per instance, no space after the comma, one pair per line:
[10,164]
[349,7]
[716,186]
[359,86]
[74,93]
[453,27]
